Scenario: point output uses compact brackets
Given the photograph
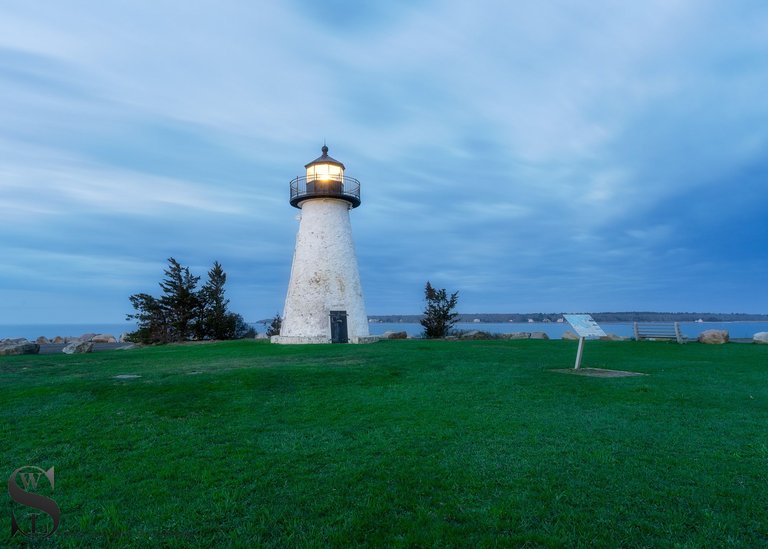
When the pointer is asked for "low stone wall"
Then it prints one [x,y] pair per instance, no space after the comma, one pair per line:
[295,340]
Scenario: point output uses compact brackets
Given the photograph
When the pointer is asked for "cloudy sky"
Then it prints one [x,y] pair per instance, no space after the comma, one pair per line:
[535,156]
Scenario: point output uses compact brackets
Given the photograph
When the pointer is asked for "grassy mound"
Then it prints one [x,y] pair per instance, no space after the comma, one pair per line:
[401,443]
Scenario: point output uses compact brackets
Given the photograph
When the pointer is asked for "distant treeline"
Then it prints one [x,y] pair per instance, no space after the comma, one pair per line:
[641,316]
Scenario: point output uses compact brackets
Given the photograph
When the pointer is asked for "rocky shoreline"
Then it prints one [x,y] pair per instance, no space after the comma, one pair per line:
[710,337]
[86,343]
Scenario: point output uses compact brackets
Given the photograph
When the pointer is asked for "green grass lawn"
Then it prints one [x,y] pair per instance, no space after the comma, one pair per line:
[400,443]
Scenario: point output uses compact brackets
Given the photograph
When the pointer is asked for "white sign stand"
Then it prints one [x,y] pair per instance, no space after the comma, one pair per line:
[585,327]
[579,352]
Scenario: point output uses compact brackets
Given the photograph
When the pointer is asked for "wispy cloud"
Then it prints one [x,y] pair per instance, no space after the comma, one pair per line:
[555,156]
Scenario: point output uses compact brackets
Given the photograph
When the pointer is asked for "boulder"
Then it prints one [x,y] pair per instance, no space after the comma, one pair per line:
[475,334]
[87,337]
[22,347]
[103,338]
[77,347]
[569,335]
[714,337]
[395,335]
[516,335]
[760,337]
[42,340]
[58,340]
[539,335]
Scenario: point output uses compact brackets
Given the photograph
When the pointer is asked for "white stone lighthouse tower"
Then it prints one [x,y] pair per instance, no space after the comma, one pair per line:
[324,303]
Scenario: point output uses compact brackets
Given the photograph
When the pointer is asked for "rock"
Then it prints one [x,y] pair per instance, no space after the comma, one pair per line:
[569,335]
[126,347]
[539,335]
[612,337]
[22,347]
[475,335]
[42,340]
[77,347]
[103,338]
[714,337]
[517,335]
[58,340]
[87,337]
[14,341]
[395,335]
[760,337]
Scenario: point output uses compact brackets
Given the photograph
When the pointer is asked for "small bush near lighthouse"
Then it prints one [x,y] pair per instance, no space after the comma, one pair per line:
[439,314]
[274,327]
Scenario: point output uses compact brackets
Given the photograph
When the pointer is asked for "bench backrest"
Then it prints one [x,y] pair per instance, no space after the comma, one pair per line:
[658,330]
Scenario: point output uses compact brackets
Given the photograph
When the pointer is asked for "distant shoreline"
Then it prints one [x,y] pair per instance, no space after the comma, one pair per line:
[738,328]
[484,318]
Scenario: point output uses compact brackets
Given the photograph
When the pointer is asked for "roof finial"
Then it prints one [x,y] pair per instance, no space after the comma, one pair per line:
[325,148]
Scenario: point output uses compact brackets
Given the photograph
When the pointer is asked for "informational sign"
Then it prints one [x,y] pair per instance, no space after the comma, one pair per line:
[584,325]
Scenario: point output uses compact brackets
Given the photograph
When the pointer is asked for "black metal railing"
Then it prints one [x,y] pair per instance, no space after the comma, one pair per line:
[330,186]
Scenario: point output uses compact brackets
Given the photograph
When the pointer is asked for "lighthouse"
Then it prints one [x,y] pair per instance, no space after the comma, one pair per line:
[324,303]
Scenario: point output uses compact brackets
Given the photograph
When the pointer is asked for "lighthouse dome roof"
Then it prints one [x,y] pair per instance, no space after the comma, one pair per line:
[325,159]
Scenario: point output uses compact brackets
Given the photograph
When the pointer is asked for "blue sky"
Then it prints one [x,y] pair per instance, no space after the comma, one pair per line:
[535,156]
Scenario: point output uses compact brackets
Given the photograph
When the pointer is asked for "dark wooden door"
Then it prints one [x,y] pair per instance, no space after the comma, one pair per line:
[339,327]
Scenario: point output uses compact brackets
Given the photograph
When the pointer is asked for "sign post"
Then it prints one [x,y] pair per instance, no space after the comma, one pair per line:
[585,327]
[579,352]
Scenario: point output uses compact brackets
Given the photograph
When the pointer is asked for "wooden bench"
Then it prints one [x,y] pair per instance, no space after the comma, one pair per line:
[658,331]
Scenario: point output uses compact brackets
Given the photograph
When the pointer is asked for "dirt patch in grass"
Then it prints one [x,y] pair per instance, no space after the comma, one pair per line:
[597,372]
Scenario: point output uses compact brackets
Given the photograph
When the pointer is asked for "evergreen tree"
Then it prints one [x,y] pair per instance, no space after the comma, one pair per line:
[180,300]
[439,316]
[150,318]
[215,322]
[182,312]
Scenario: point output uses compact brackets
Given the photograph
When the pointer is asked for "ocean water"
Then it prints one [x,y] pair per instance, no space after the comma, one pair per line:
[737,330]
[33,331]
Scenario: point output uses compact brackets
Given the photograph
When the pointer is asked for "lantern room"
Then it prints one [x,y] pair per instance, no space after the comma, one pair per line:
[325,179]
[325,168]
